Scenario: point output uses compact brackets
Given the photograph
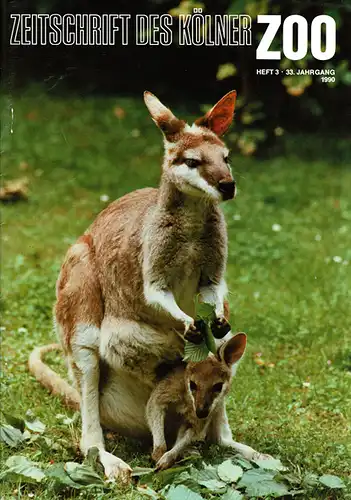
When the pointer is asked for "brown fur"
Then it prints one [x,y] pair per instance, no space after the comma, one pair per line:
[171,128]
[174,388]
[192,391]
[187,140]
[212,171]
[78,290]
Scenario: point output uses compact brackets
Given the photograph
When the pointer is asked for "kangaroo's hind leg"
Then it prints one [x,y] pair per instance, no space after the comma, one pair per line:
[220,433]
[155,416]
[78,314]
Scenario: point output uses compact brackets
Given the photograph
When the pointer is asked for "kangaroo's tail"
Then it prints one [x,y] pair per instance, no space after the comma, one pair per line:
[50,379]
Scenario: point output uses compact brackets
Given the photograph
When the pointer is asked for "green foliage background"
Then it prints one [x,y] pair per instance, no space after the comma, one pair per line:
[267,106]
[288,273]
[252,127]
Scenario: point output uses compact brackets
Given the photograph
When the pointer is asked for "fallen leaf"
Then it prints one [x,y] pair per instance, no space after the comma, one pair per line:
[229,472]
[58,474]
[260,483]
[331,481]
[141,471]
[16,422]
[209,472]
[35,426]
[148,492]
[181,493]
[23,467]
[245,464]
[259,361]
[187,480]
[213,485]
[232,495]
[92,458]
[267,488]
[10,435]
[168,476]
[82,474]
[14,190]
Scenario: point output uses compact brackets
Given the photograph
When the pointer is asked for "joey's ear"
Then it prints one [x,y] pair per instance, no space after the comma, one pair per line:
[162,116]
[233,349]
[220,117]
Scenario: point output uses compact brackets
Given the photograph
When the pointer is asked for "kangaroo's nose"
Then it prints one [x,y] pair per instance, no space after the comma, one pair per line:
[202,412]
[227,189]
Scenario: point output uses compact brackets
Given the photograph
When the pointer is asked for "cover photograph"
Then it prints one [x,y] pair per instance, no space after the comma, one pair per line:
[176,249]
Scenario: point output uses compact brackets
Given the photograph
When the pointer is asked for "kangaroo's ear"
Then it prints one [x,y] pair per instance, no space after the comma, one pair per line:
[162,116]
[233,350]
[220,117]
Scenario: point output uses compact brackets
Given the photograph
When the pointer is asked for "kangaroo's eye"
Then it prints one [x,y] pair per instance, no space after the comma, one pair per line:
[217,387]
[227,159]
[192,163]
[192,386]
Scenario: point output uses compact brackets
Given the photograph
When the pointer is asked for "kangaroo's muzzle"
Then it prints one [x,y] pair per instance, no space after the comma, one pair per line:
[227,189]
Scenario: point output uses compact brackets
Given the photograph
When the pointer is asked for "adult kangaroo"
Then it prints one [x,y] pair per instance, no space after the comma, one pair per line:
[125,293]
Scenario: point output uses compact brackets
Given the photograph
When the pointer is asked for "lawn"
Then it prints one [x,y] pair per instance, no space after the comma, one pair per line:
[288,274]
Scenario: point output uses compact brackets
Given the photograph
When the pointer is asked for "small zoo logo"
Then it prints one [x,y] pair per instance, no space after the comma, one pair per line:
[322,50]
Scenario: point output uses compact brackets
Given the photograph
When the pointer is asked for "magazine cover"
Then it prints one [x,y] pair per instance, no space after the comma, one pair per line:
[176,249]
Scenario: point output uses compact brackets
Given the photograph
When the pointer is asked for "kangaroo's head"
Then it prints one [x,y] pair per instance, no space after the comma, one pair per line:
[196,160]
[208,381]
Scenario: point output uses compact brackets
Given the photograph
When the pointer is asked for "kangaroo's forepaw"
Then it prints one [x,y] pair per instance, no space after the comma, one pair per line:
[115,468]
[220,327]
[194,333]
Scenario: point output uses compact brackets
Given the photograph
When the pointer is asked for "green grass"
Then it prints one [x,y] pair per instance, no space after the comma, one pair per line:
[287,292]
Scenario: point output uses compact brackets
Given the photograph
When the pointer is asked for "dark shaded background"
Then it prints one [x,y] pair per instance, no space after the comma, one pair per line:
[181,74]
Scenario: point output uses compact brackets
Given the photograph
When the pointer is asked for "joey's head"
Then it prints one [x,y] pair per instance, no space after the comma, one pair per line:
[196,159]
[208,381]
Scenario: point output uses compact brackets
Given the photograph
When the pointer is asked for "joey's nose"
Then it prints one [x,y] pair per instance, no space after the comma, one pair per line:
[227,189]
[202,412]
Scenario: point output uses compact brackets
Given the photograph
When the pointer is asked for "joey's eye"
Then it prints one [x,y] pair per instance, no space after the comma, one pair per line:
[217,387]
[227,159]
[192,163]
[192,386]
